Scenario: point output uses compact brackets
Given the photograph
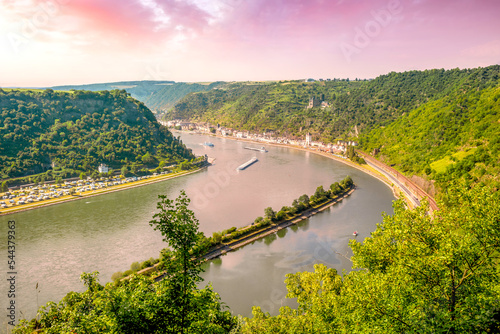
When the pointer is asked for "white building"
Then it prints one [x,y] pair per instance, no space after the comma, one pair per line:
[103,168]
[308,139]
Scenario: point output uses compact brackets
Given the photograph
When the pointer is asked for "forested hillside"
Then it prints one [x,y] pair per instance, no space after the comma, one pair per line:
[451,137]
[412,120]
[281,106]
[65,133]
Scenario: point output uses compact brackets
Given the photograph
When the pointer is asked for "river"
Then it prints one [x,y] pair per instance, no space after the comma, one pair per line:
[107,233]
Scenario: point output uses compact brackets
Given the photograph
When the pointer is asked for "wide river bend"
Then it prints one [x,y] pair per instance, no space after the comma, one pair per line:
[107,233]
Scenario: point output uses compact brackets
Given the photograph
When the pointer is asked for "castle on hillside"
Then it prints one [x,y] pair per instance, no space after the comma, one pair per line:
[315,102]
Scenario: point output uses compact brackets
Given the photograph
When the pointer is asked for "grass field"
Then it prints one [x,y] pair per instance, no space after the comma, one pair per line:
[441,165]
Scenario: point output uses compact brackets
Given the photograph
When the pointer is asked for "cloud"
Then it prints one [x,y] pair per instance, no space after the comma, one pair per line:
[117,23]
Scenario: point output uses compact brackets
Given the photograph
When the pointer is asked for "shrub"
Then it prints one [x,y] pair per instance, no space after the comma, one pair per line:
[146,264]
[116,276]
[135,266]
[281,215]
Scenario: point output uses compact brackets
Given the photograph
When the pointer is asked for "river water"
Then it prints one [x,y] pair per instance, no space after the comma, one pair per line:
[107,233]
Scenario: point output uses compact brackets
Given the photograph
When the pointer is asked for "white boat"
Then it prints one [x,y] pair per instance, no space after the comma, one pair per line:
[208,144]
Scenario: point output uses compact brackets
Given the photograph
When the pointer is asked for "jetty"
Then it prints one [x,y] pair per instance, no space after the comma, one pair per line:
[248,163]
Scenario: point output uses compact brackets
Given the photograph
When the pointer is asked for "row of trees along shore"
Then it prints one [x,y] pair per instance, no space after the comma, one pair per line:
[205,244]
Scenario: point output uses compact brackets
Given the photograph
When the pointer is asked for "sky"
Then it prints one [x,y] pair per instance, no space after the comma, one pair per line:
[55,42]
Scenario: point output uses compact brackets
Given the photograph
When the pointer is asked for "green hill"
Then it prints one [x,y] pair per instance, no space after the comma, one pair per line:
[140,90]
[77,131]
[455,136]
[166,97]
[281,106]
[413,119]
[156,95]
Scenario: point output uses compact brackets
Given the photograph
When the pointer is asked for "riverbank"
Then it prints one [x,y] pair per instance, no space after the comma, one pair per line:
[89,194]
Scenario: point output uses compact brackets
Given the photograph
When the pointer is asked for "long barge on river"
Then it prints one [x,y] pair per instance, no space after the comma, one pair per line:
[248,163]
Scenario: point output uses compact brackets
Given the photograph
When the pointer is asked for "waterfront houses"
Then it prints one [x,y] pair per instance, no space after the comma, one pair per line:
[338,148]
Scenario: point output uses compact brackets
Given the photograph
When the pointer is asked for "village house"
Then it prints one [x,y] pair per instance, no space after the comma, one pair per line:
[103,168]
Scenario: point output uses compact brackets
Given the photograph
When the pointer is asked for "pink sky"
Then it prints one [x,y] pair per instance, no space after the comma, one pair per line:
[54,42]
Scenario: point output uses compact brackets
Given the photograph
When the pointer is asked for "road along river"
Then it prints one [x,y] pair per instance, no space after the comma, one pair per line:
[107,233]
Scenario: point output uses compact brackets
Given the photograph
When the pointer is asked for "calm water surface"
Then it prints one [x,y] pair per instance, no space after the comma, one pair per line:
[107,233]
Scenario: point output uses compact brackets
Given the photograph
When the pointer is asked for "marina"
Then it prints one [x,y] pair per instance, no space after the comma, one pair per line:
[247,164]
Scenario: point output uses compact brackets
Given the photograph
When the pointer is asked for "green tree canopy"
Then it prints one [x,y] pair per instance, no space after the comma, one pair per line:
[417,273]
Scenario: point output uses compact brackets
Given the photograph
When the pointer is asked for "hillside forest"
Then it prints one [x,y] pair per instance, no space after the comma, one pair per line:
[48,134]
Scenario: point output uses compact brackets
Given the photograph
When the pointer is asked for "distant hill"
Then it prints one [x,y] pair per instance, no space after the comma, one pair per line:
[156,95]
[76,131]
[168,95]
[139,90]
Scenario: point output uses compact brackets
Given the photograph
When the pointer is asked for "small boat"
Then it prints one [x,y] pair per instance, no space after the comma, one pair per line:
[355,233]
[208,144]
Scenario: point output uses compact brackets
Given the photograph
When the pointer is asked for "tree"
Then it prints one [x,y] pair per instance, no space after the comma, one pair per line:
[304,199]
[320,192]
[147,159]
[281,215]
[179,228]
[186,165]
[83,176]
[270,213]
[347,182]
[335,189]
[5,186]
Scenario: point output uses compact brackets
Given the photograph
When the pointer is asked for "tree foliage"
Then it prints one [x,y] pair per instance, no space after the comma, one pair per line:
[417,273]
[62,134]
